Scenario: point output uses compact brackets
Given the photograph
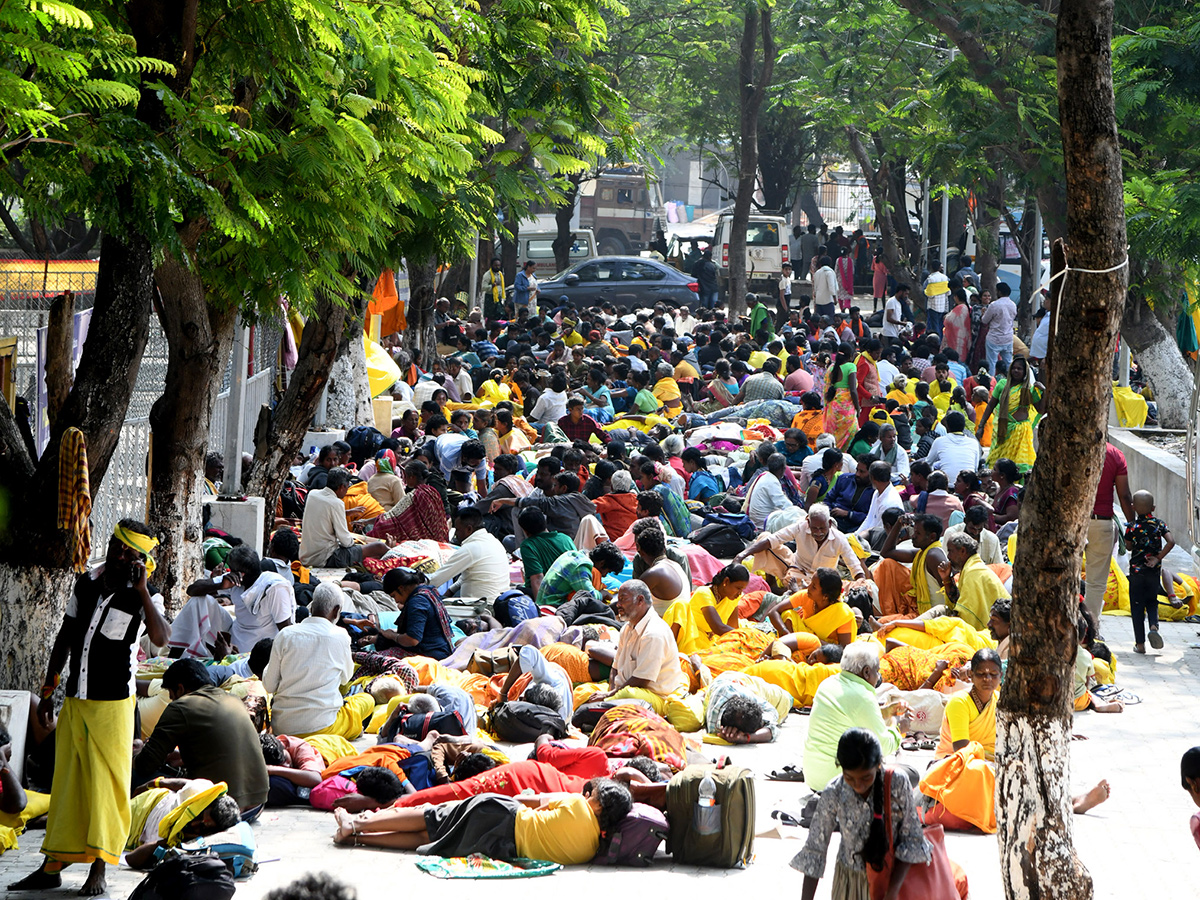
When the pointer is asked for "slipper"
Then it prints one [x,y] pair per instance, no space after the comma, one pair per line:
[910,744]
[928,744]
[1156,640]
[1192,620]
[787,773]
[785,817]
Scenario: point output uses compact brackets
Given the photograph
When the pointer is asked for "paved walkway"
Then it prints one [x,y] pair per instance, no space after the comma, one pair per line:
[1138,838]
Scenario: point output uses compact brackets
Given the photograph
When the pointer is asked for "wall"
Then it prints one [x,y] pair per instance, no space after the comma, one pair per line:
[1163,474]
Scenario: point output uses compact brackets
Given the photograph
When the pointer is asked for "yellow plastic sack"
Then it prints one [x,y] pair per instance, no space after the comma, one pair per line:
[382,371]
[1131,407]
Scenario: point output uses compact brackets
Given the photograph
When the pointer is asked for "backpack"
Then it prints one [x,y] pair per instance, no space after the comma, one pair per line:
[719,539]
[635,841]
[492,662]
[418,725]
[364,442]
[514,607]
[234,847]
[588,716]
[519,722]
[721,835]
[292,497]
[739,523]
[189,876]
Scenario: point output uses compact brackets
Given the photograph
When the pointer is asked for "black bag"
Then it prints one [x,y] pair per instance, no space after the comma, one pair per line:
[521,723]
[589,714]
[418,725]
[364,442]
[721,540]
[292,498]
[189,876]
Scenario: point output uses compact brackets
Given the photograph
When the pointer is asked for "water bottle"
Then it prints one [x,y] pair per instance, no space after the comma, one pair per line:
[708,792]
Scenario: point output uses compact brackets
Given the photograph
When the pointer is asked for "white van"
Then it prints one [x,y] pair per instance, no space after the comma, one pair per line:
[766,252]
[539,246]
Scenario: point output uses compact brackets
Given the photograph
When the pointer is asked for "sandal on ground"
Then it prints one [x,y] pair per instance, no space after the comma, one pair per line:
[910,744]
[787,773]
[1156,640]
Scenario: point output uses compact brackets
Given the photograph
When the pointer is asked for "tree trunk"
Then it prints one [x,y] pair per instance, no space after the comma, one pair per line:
[199,339]
[877,183]
[1033,786]
[325,331]
[752,91]
[35,560]
[421,337]
[1159,357]
[562,219]
[807,201]
[349,402]
[989,209]
[907,241]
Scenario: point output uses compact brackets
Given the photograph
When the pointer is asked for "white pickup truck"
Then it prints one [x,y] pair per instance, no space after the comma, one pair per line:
[766,252]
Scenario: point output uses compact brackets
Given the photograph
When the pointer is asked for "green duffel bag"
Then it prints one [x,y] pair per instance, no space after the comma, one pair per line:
[720,835]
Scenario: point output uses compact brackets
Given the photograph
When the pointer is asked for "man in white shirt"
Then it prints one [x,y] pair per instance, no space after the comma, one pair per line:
[766,494]
[263,602]
[975,526]
[685,322]
[937,299]
[825,288]
[1040,344]
[461,378]
[309,664]
[480,559]
[955,450]
[886,497]
[325,540]
[893,316]
[818,542]
[1000,317]
[888,450]
[646,664]
[888,373]
[785,295]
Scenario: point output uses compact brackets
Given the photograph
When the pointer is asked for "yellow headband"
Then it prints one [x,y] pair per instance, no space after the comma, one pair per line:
[142,543]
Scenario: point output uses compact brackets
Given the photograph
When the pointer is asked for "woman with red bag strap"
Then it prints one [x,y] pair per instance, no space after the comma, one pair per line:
[862,803]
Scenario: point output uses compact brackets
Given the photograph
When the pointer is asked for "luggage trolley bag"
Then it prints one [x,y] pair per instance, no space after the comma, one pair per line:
[711,813]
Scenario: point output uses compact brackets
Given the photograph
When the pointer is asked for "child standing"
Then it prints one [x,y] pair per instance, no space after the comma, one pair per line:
[1148,541]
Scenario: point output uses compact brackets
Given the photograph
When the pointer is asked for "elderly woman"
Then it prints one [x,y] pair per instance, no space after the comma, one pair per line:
[617,508]
[420,513]
[666,391]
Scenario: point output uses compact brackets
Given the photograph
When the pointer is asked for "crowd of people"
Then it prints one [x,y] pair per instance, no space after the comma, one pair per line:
[677,522]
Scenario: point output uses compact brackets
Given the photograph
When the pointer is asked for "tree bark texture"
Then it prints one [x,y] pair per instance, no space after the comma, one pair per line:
[32,600]
[1033,808]
[327,329]
[421,337]
[1159,358]
[988,211]
[752,92]
[60,337]
[199,338]
[877,183]
[563,214]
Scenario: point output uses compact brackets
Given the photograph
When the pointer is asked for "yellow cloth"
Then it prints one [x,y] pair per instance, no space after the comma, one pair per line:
[572,660]
[140,808]
[685,713]
[89,806]
[382,371]
[331,747]
[978,589]
[920,581]
[142,543]
[12,825]
[757,358]
[173,823]
[1132,408]
[74,496]
[695,633]
[939,631]
[350,716]
[666,392]
[963,721]
[572,339]
[799,679]
[358,495]
[652,419]
[564,831]
[965,784]
[836,618]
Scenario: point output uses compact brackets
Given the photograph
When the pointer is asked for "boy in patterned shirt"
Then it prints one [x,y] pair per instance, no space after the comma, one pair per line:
[1149,541]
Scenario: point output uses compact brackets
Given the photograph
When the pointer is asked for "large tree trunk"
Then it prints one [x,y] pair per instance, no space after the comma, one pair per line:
[327,329]
[752,92]
[563,214]
[906,238]
[199,338]
[807,201]
[877,180]
[988,211]
[421,337]
[1159,357]
[35,559]
[1033,805]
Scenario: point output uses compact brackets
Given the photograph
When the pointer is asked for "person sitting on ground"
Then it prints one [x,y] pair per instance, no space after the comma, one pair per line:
[423,626]
[853,804]
[565,830]
[743,709]
[578,426]
[580,571]
[842,702]
[480,559]
[971,716]
[908,580]
[888,449]
[885,497]
[1085,677]
[646,664]
[561,501]
[309,664]
[977,588]
[540,549]
[711,611]
[617,509]
[18,807]
[325,539]
[939,501]
[420,513]
[214,737]
[765,494]
[167,812]
[263,601]
[327,459]
[815,616]
[956,450]
[702,484]
[850,499]
[667,580]
[975,524]
[818,544]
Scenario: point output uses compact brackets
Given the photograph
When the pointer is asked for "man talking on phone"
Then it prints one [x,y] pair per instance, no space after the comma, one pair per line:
[89,802]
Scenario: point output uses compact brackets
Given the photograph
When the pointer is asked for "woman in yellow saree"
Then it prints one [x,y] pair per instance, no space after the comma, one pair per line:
[711,612]
[971,716]
[930,634]
[913,668]
[1019,399]
[816,616]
